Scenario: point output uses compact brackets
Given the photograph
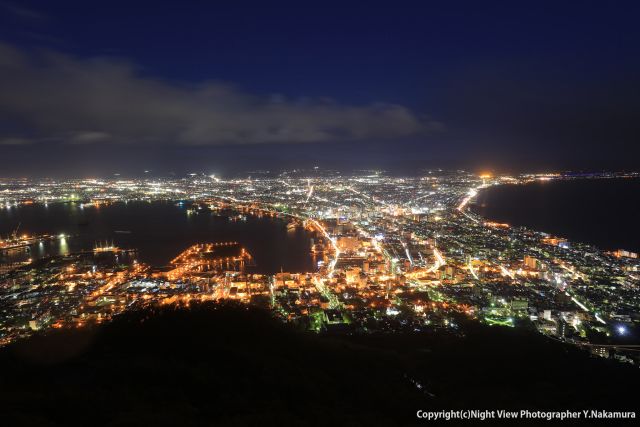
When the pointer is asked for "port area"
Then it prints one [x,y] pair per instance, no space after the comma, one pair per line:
[19,242]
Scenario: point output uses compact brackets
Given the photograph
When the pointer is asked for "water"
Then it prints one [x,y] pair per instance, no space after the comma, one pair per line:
[603,212]
[159,230]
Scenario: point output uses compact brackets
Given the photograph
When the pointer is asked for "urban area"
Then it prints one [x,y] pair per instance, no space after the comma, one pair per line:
[390,254]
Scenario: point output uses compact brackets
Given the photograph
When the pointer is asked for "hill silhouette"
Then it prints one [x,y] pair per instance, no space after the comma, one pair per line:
[227,364]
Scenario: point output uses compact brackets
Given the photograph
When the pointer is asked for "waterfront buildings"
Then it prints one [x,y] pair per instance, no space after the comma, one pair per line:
[392,254]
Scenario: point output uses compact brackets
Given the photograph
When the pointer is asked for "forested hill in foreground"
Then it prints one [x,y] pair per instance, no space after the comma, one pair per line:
[227,364]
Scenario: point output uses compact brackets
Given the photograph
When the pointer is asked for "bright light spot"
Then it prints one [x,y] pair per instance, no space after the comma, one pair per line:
[392,311]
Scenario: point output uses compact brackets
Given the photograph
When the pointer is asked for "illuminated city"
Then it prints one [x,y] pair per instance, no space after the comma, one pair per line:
[392,254]
[291,213]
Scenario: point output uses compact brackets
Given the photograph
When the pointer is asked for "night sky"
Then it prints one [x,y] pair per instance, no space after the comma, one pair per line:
[96,88]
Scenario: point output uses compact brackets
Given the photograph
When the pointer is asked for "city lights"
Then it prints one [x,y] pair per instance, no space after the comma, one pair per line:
[408,253]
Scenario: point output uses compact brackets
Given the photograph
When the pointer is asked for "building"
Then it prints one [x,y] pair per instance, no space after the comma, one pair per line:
[531,262]
[348,243]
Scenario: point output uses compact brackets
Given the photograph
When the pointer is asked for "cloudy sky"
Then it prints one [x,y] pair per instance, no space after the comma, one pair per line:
[123,87]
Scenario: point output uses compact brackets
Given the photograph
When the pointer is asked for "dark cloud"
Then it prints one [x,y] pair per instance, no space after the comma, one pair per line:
[558,104]
[49,96]
[22,12]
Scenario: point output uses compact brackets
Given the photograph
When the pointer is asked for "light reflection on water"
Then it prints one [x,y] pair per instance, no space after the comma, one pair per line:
[159,230]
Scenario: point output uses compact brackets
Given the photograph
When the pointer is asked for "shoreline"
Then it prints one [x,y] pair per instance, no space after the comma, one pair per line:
[85,237]
[474,207]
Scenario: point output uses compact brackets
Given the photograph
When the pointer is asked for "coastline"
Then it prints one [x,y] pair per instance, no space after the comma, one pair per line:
[508,206]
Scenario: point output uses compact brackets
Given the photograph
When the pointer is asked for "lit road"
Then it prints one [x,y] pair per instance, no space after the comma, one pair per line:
[440,261]
[506,272]
[473,273]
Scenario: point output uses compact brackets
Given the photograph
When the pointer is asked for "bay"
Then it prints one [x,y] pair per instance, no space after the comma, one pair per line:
[602,212]
[158,230]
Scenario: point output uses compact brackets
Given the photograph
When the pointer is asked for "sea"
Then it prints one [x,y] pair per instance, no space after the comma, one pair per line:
[158,231]
[601,212]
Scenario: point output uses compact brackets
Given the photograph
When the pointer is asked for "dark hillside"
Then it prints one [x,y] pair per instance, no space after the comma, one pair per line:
[231,365]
